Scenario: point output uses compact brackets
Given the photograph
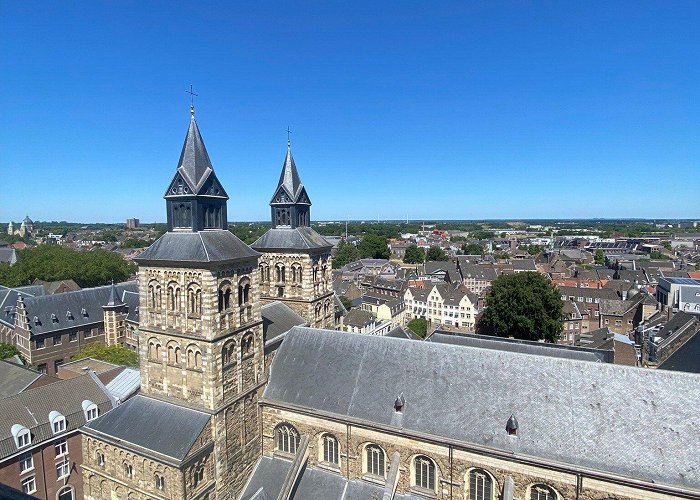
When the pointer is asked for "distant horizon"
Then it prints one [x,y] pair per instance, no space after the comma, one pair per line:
[454,109]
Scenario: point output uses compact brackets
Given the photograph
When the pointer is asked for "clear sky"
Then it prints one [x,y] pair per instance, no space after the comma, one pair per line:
[430,110]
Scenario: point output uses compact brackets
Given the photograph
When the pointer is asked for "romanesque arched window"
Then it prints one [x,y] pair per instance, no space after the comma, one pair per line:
[542,492]
[173,353]
[225,293]
[331,449]
[154,294]
[424,473]
[261,267]
[243,291]
[194,357]
[480,485]
[154,349]
[173,297]
[281,273]
[228,353]
[374,461]
[247,345]
[194,299]
[287,438]
[315,273]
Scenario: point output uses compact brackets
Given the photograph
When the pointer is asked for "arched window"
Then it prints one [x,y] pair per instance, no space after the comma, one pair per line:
[287,438]
[225,296]
[228,353]
[424,472]
[243,291]
[173,353]
[154,294]
[159,481]
[198,476]
[330,449]
[128,470]
[21,435]
[480,485]
[154,349]
[262,272]
[542,492]
[173,297]
[66,493]
[194,300]
[247,345]
[194,357]
[58,422]
[374,460]
[100,458]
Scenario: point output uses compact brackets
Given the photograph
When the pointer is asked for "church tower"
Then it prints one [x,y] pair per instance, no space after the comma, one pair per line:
[295,267]
[201,328]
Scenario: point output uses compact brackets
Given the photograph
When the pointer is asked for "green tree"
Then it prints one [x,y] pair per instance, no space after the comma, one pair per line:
[473,249]
[599,257]
[374,247]
[656,255]
[437,253]
[347,304]
[9,350]
[523,305]
[109,236]
[533,249]
[667,245]
[110,353]
[414,255]
[347,252]
[419,326]
[52,263]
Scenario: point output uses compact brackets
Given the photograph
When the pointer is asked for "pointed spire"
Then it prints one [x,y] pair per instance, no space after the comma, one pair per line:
[289,177]
[194,160]
[114,299]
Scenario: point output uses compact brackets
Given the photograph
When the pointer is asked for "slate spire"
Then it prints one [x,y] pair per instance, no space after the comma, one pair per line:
[290,203]
[195,199]
[114,299]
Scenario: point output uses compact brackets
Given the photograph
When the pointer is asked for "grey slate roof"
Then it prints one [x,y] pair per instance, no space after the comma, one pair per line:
[520,346]
[313,484]
[168,430]
[278,318]
[289,177]
[358,318]
[201,247]
[569,411]
[284,238]
[403,333]
[686,358]
[8,301]
[31,409]
[125,384]
[90,299]
[194,163]
[15,378]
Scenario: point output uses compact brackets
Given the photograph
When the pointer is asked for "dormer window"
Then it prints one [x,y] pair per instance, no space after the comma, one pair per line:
[36,320]
[399,404]
[84,313]
[54,318]
[58,422]
[21,435]
[512,426]
[90,410]
[69,315]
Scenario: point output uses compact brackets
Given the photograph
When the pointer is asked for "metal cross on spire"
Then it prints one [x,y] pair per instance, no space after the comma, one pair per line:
[192,96]
[289,141]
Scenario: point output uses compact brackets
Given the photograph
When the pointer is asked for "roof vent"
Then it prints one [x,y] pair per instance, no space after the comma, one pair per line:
[84,313]
[54,318]
[512,426]
[69,315]
[399,404]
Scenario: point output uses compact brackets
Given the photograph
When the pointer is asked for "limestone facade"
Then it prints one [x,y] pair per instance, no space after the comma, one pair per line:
[454,465]
[302,281]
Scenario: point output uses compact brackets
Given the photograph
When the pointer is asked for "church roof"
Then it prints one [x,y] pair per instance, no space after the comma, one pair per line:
[289,177]
[278,318]
[166,429]
[194,163]
[594,416]
[285,238]
[219,245]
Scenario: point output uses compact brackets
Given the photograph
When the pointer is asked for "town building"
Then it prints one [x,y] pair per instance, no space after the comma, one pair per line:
[40,443]
[443,304]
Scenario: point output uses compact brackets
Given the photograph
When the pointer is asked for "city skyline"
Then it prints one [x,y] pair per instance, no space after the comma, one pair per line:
[442,113]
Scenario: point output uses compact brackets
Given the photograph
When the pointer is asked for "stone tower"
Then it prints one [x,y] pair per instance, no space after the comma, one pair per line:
[115,313]
[295,267]
[10,229]
[201,335]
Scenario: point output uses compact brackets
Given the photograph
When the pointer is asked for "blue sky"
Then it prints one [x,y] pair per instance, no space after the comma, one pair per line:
[429,110]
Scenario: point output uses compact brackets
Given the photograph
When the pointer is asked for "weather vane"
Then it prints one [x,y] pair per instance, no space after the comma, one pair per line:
[289,142]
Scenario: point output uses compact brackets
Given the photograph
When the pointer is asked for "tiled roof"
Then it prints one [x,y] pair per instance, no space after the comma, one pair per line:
[15,378]
[31,409]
